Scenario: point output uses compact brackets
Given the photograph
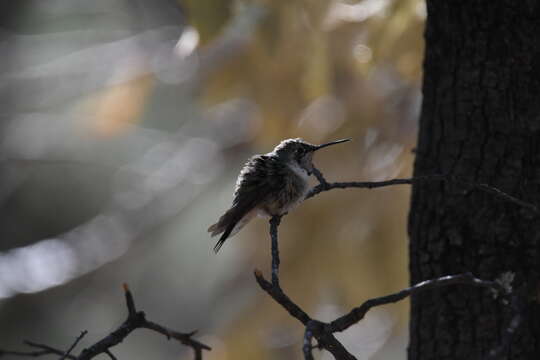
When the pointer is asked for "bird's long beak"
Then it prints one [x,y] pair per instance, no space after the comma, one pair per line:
[330,143]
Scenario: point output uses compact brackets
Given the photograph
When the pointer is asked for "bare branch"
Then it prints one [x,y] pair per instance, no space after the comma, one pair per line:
[130,303]
[325,339]
[326,186]
[137,320]
[358,313]
[328,341]
[44,350]
[274,224]
[79,338]
[307,348]
[48,349]
[324,332]
[108,352]
[320,177]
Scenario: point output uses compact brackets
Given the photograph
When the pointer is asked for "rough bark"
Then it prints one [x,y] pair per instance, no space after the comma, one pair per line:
[480,121]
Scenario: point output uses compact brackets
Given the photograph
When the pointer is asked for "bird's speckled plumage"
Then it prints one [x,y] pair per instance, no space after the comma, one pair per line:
[268,185]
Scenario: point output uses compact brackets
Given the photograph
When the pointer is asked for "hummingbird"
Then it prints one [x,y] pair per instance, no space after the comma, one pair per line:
[269,185]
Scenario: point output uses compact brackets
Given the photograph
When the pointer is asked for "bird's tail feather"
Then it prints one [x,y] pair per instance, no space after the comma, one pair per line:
[226,229]
[222,223]
[230,223]
[214,229]
[222,239]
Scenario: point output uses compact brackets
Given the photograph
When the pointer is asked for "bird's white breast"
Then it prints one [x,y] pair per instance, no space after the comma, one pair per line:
[304,176]
[300,171]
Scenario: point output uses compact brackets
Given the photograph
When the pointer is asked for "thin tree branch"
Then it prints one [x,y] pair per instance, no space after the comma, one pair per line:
[44,350]
[137,320]
[326,186]
[108,352]
[48,349]
[130,302]
[358,313]
[79,338]
[274,224]
[320,177]
[326,340]
[307,348]
[324,332]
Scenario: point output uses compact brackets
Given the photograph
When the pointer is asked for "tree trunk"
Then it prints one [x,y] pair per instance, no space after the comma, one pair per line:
[480,122]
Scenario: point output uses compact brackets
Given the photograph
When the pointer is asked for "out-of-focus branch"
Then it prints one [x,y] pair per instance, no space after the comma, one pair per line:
[135,320]
[44,350]
[79,338]
[110,354]
[324,332]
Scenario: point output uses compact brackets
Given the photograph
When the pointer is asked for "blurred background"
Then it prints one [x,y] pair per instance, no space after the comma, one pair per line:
[124,124]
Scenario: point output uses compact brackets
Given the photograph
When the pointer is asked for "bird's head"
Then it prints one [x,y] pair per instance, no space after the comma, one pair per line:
[300,152]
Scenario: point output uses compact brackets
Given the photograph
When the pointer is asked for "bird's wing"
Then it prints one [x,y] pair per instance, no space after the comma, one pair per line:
[258,179]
